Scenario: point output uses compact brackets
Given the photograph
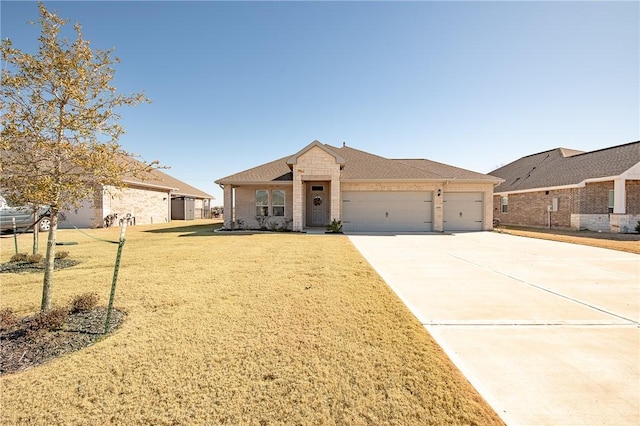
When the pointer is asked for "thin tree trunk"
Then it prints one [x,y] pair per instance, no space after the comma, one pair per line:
[49,263]
[36,235]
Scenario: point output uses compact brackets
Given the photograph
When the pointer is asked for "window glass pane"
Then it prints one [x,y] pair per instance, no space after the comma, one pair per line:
[504,202]
[262,211]
[611,199]
[262,198]
[277,198]
[278,211]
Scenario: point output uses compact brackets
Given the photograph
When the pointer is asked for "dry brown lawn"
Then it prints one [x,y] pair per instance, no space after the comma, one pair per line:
[621,242]
[258,329]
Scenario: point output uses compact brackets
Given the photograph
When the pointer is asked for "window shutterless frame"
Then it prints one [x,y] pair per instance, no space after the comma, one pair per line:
[262,202]
[277,202]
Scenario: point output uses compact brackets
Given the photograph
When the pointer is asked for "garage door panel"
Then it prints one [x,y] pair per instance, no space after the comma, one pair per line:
[463,211]
[387,211]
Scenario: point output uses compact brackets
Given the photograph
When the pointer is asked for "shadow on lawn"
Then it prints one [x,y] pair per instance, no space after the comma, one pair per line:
[206,230]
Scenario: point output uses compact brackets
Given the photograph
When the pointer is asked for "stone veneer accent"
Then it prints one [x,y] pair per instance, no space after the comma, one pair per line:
[315,165]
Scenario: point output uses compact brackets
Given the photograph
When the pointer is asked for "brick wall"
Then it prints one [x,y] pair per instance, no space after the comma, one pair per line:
[632,188]
[530,208]
[579,208]
[594,198]
[245,205]
[148,206]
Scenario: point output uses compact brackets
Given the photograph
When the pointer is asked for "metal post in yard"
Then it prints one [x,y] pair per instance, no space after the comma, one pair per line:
[115,277]
[15,234]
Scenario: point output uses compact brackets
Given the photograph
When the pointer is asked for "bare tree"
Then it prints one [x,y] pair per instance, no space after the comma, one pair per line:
[59,137]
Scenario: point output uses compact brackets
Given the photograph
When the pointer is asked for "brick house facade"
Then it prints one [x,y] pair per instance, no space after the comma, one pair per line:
[598,190]
[146,201]
[322,183]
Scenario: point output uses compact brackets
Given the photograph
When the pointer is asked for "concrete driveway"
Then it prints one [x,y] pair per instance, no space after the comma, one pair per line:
[547,332]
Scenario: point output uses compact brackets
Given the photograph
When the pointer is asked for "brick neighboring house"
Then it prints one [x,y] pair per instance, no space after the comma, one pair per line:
[366,192]
[158,199]
[564,188]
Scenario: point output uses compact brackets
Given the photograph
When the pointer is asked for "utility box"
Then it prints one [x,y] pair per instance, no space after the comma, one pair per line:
[183,208]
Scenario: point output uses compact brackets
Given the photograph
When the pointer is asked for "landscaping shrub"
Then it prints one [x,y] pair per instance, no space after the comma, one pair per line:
[61,255]
[34,258]
[50,320]
[7,318]
[19,257]
[335,226]
[84,302]
[638,227]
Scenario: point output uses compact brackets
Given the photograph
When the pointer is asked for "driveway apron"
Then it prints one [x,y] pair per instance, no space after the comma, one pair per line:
[547,332]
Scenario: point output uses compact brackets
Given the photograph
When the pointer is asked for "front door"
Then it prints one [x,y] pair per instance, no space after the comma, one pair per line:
[317,203]
[317,210]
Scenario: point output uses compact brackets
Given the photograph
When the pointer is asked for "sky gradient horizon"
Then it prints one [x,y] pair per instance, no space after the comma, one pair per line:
[471,84]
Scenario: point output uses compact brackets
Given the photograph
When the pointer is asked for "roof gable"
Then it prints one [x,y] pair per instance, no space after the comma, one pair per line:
[294,158]
[562,167]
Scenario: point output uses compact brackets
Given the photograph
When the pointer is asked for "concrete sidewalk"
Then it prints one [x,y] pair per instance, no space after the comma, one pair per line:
[547,332]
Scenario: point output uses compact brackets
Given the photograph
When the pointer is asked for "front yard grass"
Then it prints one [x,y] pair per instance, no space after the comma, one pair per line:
[258,329]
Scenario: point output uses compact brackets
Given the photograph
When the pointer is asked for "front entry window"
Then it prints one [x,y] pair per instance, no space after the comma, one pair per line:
[262,202]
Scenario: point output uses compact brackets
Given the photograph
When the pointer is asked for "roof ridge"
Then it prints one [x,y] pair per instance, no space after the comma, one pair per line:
[606,149]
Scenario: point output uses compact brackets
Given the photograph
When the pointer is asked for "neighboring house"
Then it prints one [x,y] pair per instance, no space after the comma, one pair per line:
[564,188]
[158,199]
[366,192]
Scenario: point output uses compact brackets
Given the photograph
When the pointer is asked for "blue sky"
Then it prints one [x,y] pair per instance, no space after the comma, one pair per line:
[471,84]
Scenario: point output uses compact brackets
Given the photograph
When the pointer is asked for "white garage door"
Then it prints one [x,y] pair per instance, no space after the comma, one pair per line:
[463,211]
[387,211]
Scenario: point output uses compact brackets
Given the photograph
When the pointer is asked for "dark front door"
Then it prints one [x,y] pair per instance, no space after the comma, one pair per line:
[317,203]
[317,210]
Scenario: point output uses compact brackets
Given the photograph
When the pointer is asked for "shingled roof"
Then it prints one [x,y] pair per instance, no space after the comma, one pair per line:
[562,167]
[361,165]
[155,178]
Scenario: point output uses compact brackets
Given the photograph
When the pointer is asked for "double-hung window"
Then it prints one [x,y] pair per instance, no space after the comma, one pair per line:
[263,206]
[504,204]
[277,202]
[262,202]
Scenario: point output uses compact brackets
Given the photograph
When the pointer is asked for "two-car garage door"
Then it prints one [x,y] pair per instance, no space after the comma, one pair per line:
[387,211]
[410,211]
